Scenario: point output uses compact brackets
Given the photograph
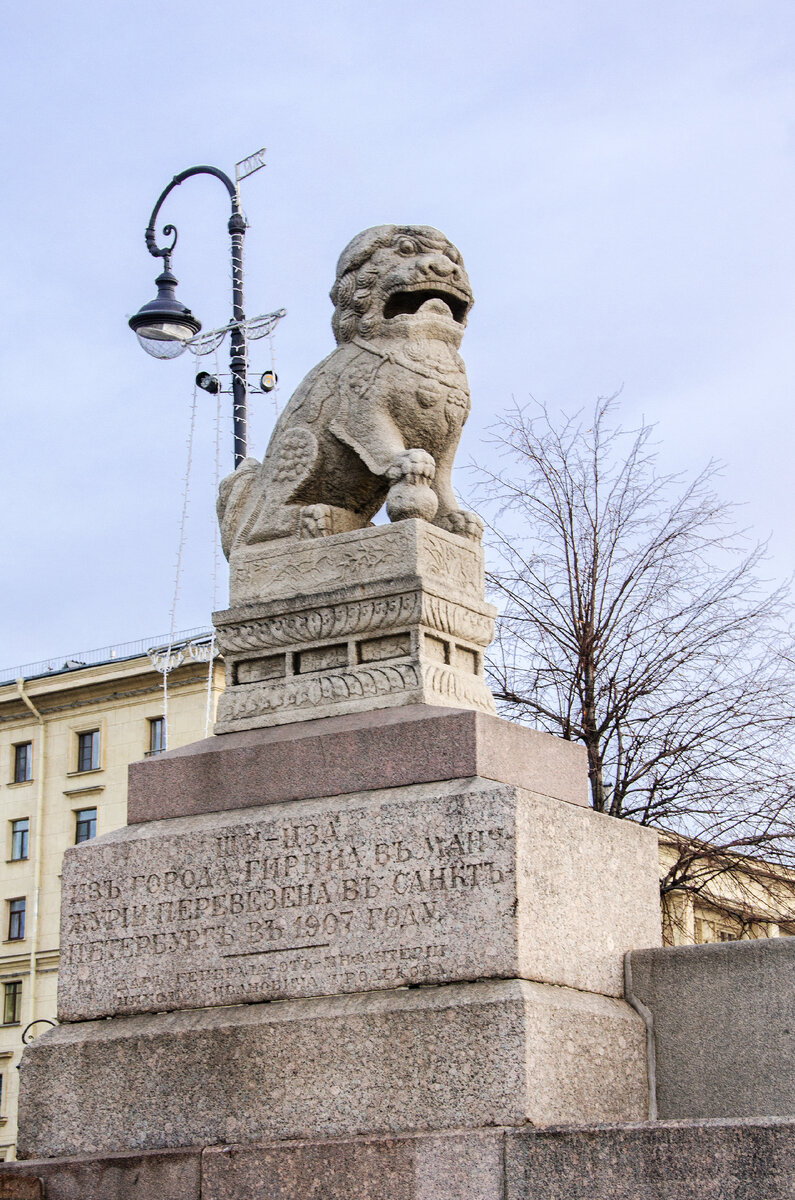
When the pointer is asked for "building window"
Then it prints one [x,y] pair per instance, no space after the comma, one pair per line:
[88,750]
[157,735]
[16,920]
[23,762]
[85,825]
[12,1003]
[19,839]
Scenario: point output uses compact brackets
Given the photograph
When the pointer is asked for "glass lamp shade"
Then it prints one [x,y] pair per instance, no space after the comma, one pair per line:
[164,325]
[165,340]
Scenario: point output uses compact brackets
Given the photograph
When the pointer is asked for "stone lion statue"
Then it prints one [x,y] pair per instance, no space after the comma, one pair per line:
[380,418]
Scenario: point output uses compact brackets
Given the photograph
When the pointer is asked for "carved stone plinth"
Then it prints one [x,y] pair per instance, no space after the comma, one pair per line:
[379,617]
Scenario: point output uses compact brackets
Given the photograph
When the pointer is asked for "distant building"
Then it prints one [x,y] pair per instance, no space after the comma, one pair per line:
[68,731]
[729,897]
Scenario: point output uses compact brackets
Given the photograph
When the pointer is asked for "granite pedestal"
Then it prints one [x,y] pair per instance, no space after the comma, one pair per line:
[360,945]
[442,953]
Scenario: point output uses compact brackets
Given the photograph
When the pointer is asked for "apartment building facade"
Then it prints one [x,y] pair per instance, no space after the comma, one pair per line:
[728,897]
[68,731]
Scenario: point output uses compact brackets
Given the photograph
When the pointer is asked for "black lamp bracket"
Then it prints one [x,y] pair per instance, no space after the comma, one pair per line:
[237,222]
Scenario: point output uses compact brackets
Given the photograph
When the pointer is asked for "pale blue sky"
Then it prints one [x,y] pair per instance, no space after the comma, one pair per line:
[618,176]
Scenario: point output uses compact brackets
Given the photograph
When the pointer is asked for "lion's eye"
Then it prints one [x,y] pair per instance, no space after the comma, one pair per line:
[406,246]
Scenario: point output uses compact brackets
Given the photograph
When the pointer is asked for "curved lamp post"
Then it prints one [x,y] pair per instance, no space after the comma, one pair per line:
[164,325]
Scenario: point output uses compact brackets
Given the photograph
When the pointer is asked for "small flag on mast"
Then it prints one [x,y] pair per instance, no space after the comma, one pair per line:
[247,166]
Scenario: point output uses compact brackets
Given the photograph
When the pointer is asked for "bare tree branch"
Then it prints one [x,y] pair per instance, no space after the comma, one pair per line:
[635,621]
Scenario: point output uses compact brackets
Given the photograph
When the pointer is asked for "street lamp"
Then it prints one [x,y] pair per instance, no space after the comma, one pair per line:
[165,325]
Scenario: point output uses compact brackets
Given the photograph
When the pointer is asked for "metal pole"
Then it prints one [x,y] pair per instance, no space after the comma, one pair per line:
[237,358]
[237,229]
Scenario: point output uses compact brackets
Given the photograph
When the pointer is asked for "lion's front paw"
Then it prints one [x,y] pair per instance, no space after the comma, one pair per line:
[415,466]
[411,495]
[316,520]
[465,524]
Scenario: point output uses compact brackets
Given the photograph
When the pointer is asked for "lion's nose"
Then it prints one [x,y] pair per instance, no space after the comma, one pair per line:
[442,267]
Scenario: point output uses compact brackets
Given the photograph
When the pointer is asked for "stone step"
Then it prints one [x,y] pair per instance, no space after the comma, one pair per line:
[332,756]
[466,1055]
[685,1160]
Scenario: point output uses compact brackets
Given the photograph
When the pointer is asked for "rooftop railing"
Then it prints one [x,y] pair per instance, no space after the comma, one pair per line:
[58,664]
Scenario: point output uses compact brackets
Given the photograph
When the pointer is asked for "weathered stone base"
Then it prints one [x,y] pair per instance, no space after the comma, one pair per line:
[688,1160]
[724,1026]
[436,883]
[385,616]
[465,1055]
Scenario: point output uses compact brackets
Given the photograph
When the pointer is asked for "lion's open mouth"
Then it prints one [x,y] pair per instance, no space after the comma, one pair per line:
[400,303]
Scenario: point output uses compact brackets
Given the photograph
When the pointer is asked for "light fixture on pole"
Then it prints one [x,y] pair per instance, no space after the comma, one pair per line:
[164,326]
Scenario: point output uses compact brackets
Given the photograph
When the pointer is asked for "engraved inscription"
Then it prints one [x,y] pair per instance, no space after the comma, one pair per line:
[310,902]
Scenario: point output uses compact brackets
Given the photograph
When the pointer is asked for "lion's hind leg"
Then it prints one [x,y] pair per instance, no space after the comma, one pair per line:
[321,520]
[234,500]
[291,460]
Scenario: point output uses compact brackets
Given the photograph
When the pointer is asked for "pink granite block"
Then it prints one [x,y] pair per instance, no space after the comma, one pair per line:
[358,752]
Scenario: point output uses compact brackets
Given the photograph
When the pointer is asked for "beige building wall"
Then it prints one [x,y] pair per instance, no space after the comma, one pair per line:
[118,699]
[733,898]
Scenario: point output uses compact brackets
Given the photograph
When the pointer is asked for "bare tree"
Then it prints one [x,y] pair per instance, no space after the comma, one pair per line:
[634,621]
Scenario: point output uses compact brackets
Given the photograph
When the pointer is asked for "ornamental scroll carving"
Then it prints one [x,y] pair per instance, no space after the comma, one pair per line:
[326,621]
[383,613]
[315,691]
[455,565]
[459,689]
[241,704]
[358,560]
